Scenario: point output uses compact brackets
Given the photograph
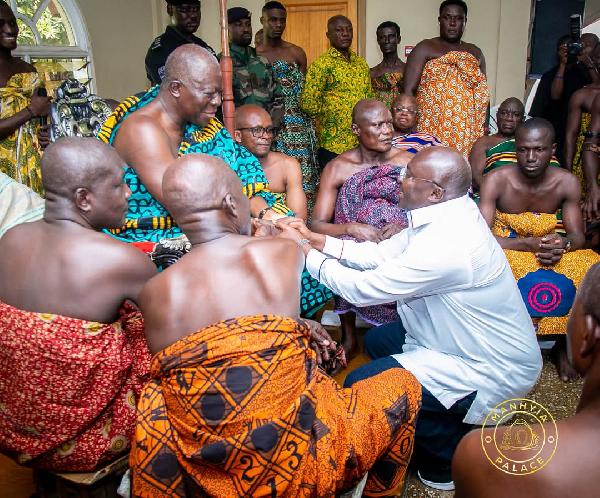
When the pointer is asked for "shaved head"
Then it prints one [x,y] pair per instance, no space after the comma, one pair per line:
[445,166]
[536,124]
[245,113]
[404,100]
[187,60]
[365,108]
[198,182]
[75,162]
[513,101]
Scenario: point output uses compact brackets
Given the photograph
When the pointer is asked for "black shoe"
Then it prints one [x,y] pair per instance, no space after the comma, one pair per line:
[437,478]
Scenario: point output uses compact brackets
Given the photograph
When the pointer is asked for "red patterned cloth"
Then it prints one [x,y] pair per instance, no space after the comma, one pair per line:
[69,387]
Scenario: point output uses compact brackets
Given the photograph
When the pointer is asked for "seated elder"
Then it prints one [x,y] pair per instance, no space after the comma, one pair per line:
[519,203]
[565,474]
[254,130]
[464,330]
[404,119]
[177,117]
[73,357]
[237,405]
[358,200]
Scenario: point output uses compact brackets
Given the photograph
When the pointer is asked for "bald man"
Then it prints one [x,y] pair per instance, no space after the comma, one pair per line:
[254,130]
[63,334]
[177,118]
[245,396]
[463,331]
[358,200]
[567,473]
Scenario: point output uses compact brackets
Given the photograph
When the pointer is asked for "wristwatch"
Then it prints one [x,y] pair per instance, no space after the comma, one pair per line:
[567,247]
[302,242]
[262,212]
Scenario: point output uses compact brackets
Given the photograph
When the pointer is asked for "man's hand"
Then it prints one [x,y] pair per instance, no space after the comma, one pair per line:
[390,230]
[589,207]
[264,228]
[291,228]
[551,249]
[325,348]
[40,106]
[362,232]
[43,137]
[271,215]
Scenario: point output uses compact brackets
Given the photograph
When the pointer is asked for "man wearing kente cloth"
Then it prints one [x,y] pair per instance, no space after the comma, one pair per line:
[387,76]
[237,405]
[358,200]
[73,356]
[178,118]
[519,203]
[297,137]
[448,77]
[20,106]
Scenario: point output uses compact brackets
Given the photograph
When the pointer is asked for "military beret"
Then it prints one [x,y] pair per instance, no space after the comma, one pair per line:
[182,2]
[237,14]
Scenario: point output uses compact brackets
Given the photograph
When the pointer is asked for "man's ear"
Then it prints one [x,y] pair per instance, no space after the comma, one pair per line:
[237,136]
[591,337]
[229,206]
[327,35]
[553,149]
[170,9]
[262,21]
[83,199]
[175,88]
[437,194]
[355,129]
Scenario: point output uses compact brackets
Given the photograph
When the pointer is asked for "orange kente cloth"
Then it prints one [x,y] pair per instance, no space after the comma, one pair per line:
[240,408]
[69,387]
[452,100]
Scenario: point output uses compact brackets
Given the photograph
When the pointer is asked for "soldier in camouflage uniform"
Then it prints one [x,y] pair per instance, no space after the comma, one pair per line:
[184,20]
[253,78]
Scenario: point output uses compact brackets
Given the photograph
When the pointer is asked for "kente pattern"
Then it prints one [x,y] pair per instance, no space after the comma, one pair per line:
[387,87]
[586,119]
[240,408]
[333,86]
[548,294]
[414,142]
[69,387]
[452,100]
[371,197]
[297,138]
[19,152]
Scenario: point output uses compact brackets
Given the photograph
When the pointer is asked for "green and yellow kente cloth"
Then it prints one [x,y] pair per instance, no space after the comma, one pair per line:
[19,152]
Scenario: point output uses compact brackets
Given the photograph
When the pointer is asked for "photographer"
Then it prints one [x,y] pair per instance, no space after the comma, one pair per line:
[575,70]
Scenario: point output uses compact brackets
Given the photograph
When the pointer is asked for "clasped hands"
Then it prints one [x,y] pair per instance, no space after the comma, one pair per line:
[550,249]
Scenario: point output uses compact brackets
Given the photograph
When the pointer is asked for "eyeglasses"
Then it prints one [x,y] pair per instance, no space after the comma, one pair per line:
[404,109]
[189,9]
[403,176]
[259,131]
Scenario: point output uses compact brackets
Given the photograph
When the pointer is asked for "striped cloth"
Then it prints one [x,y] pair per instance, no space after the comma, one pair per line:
[18,204]
[414,142]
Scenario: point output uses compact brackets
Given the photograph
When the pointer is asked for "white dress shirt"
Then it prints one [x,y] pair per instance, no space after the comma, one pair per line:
[467,326]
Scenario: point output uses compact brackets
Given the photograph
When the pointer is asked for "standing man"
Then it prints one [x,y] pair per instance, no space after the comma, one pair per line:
[464,331]
[253,78]
[387,76]
[457,113]
[184,21]
[335,82]
[297,137]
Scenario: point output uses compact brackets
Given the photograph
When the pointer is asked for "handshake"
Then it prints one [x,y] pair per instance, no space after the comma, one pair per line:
[289,228]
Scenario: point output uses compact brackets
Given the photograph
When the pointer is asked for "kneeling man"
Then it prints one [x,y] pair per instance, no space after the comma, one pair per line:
[71,364]
[237,405]
[520,203]
[463,332]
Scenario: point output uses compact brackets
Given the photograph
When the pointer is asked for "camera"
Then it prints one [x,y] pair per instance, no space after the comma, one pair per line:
[574,48]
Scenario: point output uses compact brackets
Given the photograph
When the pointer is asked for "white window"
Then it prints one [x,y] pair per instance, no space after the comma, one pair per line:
[53,38]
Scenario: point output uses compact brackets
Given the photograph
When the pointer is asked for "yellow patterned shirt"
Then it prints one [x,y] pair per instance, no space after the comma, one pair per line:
[333,86]
[19,152]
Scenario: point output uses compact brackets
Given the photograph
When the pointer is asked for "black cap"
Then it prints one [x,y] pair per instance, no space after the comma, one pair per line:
[237,14]
[182,2]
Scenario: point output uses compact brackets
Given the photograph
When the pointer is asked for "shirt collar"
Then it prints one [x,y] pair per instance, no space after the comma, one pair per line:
[422,216]
[334,52]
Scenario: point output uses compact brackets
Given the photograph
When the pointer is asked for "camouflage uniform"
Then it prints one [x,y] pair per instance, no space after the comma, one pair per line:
[254,82]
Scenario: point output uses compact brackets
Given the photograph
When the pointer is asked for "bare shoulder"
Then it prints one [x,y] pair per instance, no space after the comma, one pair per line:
[400,157]
[340,168]
[284,161]
[267,248]
[567,181]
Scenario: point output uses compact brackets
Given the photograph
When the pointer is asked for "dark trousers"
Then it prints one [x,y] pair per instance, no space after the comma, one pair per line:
[439,429]
[324,156]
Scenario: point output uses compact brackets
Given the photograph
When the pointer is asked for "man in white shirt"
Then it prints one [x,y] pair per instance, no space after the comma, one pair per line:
[464,331]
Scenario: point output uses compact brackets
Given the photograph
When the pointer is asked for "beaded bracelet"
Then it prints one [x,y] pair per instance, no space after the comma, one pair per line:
[589,134]
[31,114]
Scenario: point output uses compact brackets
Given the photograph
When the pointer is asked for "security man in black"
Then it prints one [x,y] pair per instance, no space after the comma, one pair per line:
[184,21]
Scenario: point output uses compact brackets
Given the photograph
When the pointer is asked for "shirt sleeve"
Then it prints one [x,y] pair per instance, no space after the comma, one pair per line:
[407,276]
[311,98]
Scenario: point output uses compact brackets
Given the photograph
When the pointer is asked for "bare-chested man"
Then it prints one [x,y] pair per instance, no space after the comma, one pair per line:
[62,285]
[240,373]
[436,61]
[387,76]
[353,187]
[519,202]
[150,134]
[511,114]
[254,130]
[572,470]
